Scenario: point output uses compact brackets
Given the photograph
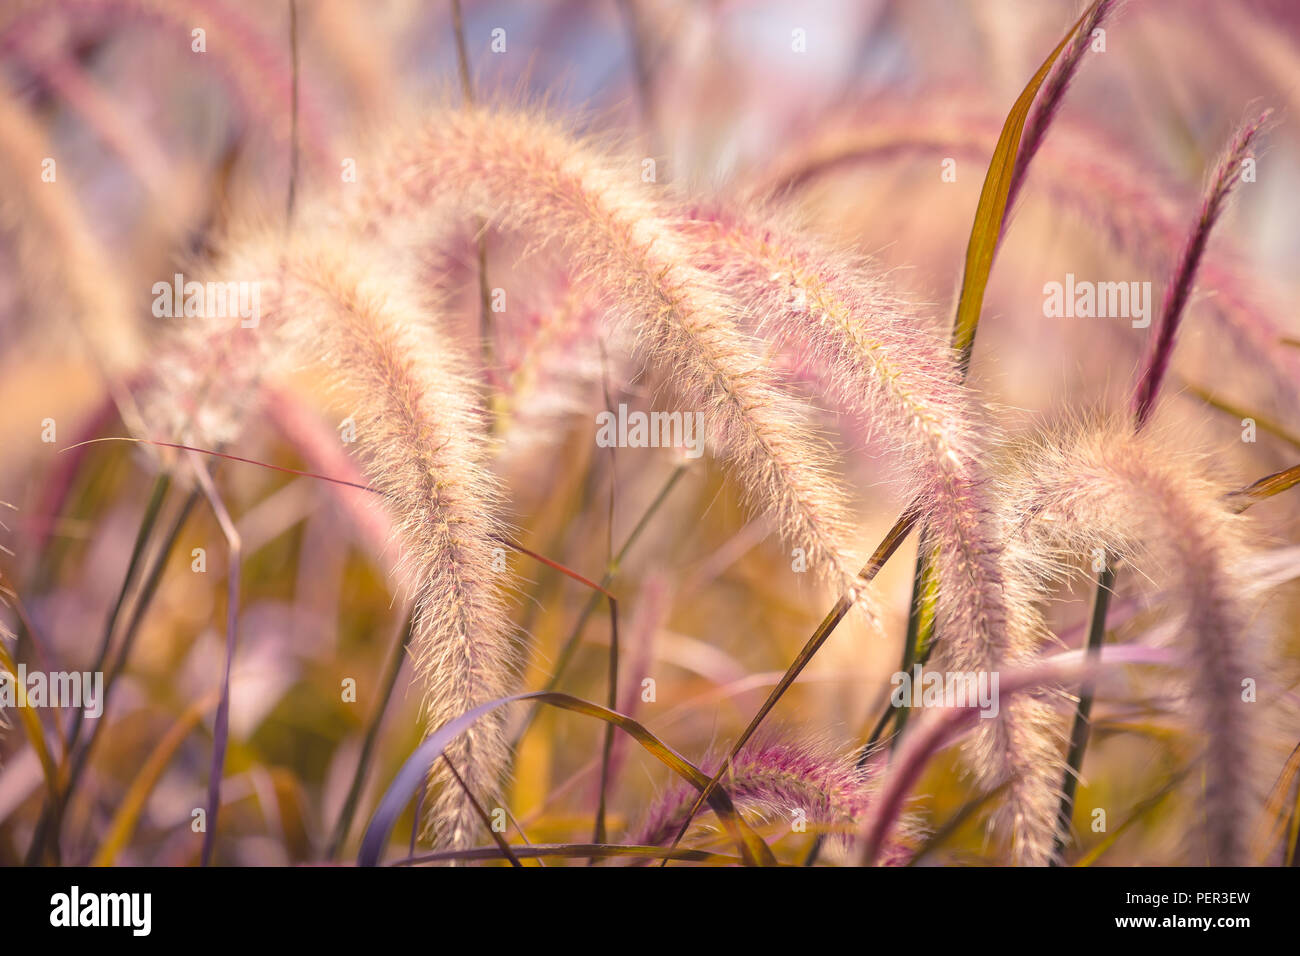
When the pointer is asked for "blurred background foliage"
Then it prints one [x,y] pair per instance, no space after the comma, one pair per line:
[157,146]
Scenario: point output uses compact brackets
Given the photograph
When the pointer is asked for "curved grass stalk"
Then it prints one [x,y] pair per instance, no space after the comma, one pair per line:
[420,434]
[1159,354]
[221,723]
[872,359]
[530,177]
[989,631]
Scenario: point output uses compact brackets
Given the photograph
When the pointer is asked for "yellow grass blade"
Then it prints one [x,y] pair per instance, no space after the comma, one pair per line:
[31,723]
[128,813]
[989,214]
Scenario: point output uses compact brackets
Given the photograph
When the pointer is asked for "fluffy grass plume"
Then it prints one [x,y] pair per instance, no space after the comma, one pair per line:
[784,779]
[872,355]
[1227,173]
[420,434]
[732,228]
[1104,491]
[529,176]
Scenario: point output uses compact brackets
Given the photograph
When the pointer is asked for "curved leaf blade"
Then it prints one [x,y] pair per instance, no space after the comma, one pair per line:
[989,214]
[413,772]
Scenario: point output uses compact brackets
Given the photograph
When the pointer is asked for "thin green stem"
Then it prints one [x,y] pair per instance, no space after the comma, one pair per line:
[920,627]
[956,822]
[916,647]
[51,815]
[221,723]
[884,551]
[1079,733]
[157,496]
[393,668]
[612,690]
[482,815]
[571,643]
[484,292]
[608,749]
[114,670]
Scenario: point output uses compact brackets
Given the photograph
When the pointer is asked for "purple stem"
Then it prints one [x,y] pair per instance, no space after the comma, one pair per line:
[1226,176]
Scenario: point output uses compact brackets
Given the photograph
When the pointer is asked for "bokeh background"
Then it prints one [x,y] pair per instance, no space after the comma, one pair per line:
[848,109]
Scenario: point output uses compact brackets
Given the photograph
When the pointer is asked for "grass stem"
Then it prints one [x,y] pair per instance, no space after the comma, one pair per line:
[1079,732]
